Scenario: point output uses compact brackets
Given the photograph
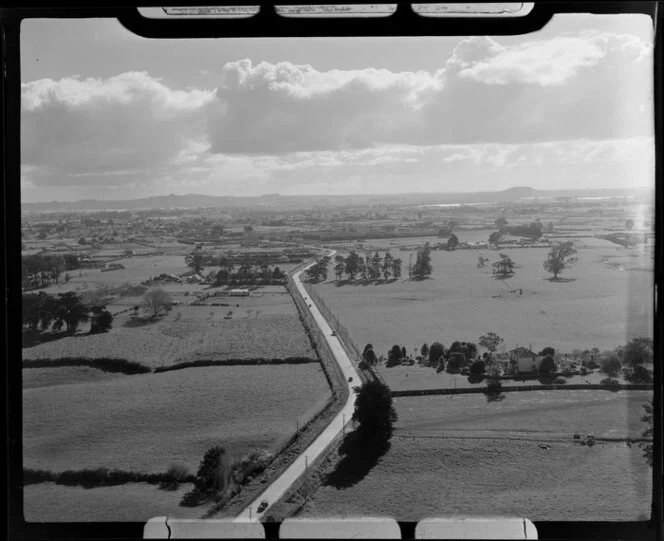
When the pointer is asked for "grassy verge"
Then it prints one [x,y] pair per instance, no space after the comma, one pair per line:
[236,362]
[283,458]
[105,364]
[306,485]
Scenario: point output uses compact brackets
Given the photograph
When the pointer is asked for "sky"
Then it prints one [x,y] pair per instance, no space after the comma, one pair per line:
[109,115]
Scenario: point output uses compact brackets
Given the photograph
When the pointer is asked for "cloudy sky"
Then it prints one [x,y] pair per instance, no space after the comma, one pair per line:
[109,115]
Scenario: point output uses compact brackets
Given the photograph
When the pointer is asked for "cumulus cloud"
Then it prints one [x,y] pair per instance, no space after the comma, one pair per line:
[121,126]
[488,106]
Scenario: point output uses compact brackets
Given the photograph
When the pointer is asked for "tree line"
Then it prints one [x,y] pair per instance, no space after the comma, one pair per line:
[42,311]
[46,269]
[372,267]
[247,271]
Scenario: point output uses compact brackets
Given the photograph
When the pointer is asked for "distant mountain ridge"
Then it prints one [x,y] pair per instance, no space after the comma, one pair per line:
[277,201]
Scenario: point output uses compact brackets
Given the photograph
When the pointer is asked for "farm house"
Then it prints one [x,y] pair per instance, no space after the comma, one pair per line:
[526,360]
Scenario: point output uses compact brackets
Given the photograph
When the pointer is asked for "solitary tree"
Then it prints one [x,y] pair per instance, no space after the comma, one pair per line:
[501,222]
[196,261]
[504,267]
[611,366]
[388,260]
[101,322]
[374,413]
[394,356]
[495,237]
[369,356]
[547,366]
[352,264]
[560,257]
[424,351]
[436,351]
[629,224]
[156,300]
[396,268]
[422,267]
[452,242]
[490,341]
[637,352]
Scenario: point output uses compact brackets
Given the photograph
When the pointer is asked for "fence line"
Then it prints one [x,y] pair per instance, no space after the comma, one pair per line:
[562,387]
[344,336]
[333,374]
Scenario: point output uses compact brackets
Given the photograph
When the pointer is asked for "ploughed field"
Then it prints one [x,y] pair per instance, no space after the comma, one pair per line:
[603,301]
[463,456]
[266,326]
[147,422]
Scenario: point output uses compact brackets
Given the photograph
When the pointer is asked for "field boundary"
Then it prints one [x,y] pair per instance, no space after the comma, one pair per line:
[344,336]
[573,387]
[257,361]
[105,364]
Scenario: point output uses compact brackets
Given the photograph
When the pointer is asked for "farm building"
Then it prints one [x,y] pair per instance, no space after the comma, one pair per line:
[525,359]
[239,292]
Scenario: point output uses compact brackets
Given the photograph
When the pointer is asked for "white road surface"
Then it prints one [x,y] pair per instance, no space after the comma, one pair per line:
[280,485]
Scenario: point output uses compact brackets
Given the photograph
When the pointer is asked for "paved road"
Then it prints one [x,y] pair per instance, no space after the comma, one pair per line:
[279,486]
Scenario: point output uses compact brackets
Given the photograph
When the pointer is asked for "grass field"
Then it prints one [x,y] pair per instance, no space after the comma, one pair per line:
[143,423]
[408,378]
[470,457]
[137,502]
[265,326]
[602,306]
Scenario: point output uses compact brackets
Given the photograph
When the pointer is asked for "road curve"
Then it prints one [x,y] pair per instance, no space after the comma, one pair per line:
[280,485]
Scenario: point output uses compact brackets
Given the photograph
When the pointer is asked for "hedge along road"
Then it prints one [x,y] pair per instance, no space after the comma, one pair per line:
[280,485]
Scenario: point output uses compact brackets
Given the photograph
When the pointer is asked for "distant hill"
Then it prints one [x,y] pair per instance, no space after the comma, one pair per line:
[286,202]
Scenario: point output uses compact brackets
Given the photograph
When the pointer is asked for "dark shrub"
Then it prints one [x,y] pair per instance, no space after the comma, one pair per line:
[478,367]
[609,381]
[455,362]
[640,374]
[547,366]
[560,380]
[213,472]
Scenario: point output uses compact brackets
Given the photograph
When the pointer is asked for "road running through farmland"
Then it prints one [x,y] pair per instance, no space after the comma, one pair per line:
[280,485]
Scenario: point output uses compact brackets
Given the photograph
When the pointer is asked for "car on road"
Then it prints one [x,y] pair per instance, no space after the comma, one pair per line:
[334,333]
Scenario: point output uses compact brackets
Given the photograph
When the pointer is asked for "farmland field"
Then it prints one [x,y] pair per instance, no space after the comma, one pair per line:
[462,455]
[147,421]
[136,502]
[408,378]
[607,301]
[266,326]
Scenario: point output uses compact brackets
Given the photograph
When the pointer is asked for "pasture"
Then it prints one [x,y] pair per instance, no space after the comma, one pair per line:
[265,326]
[407,378]
[136,502]
[146,422]
[470,457]
[603,301]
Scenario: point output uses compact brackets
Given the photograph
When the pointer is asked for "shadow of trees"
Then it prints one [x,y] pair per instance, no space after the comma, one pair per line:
[559,279]
[359,458]
[360,282]
[34,337]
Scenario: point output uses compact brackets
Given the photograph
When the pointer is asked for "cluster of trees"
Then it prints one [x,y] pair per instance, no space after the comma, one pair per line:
[559,258]
[534,230]
[370,267]
[248,271]
[318,271]
[42,311]
[47,268]
[630,359]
